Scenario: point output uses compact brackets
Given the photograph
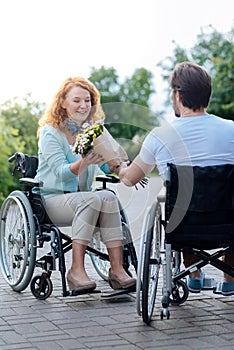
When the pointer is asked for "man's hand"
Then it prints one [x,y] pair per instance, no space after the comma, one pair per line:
[142,182]
[116,166]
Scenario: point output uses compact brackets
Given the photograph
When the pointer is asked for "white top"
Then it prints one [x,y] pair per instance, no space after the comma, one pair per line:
[199,140]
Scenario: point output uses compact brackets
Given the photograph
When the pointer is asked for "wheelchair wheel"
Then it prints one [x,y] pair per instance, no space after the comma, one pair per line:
[151,267]
[17,241]
[41,286]
[100,264]
[179,293]
[129,251]
[148,223]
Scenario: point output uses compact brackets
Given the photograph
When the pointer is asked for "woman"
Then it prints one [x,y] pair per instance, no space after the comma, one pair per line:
[76,103]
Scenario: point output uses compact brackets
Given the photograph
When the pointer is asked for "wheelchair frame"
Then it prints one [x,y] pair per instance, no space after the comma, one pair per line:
[160,255]
[23,231]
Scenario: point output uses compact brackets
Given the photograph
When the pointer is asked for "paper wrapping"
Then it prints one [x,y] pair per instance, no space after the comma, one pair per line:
[110,149]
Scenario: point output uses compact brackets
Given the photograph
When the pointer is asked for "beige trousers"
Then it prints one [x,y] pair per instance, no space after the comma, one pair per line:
[84,211]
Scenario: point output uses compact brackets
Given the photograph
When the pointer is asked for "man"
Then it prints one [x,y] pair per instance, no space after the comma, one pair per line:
[194,138]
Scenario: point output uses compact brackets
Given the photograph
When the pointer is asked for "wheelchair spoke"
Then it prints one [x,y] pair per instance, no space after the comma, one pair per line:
[101,265]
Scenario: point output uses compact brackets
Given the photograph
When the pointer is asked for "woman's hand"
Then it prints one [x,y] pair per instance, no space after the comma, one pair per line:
[92,158]
[86,160]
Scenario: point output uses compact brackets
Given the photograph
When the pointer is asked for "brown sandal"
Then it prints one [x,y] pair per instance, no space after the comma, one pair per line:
[75,284]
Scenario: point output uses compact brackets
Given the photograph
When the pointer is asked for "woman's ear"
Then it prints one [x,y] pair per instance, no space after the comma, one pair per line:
[63,104]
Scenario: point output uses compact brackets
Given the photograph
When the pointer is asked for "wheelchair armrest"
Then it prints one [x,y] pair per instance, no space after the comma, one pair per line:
[30,182]
[107,178]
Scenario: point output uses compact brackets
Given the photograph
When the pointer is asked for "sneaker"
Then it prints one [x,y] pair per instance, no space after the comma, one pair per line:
[195,285]
[228,288]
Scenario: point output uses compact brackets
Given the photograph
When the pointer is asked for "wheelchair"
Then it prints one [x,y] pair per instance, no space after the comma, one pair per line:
[25,228]
[194,213]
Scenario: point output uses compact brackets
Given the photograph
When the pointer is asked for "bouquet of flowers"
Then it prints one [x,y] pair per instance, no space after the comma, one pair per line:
[98,138]
[84,142]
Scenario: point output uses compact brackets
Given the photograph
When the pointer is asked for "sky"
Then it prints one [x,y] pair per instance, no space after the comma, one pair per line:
[44,42]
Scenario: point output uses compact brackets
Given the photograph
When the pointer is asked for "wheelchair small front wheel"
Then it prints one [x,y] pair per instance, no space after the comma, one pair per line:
[179,293]
[41,286]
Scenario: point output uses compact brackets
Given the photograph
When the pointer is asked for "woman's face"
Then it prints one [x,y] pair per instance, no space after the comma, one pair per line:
[78,104]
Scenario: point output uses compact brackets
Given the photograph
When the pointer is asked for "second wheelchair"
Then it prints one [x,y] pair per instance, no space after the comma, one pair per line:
[195,215]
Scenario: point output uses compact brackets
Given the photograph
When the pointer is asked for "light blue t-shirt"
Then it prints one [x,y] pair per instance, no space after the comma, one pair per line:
[55,157]
[199,140]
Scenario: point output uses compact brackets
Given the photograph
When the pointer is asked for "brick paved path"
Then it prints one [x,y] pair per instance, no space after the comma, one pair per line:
[204,321]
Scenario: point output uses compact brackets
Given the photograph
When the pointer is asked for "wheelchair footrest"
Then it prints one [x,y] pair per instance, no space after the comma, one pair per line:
[118,292]
[75,293]
[209,284]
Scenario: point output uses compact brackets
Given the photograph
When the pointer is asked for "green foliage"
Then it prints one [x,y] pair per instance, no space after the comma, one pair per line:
[8,140]
[127,120]
[138,88]
[23,115]
[18,128]
[106,81]
[126,105]
[214,51]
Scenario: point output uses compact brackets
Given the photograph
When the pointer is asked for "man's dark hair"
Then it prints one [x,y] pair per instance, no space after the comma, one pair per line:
[193,84]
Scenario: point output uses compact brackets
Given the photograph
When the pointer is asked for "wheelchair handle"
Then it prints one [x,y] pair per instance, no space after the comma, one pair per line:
[19,158]
[16,156]
[11,159]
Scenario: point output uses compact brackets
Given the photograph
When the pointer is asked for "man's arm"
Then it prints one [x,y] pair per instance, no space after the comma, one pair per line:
[132,174]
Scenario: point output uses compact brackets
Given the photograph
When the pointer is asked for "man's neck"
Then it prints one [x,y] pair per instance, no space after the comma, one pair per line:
[187,112]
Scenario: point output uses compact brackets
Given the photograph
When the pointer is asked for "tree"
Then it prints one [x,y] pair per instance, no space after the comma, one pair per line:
[18,128]
[126,105]
[214,51]
[8,141]
[138,88]
[22,115]
[106,81]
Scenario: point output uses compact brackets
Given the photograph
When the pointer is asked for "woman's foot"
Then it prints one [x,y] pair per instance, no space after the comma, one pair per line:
[121,280]
[79,284]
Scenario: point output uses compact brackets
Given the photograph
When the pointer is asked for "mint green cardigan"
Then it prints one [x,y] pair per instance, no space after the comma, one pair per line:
[55,157]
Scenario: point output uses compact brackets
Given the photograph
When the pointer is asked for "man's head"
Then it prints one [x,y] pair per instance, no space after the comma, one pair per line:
[191,84]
